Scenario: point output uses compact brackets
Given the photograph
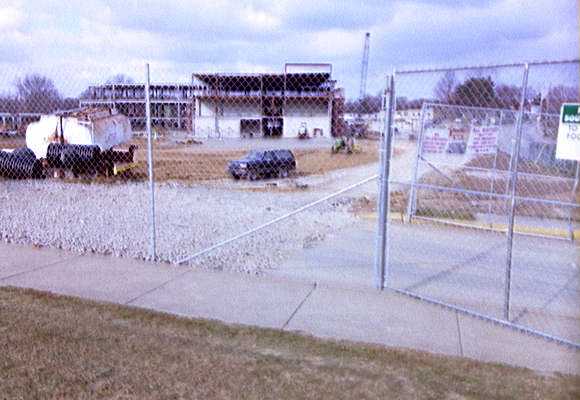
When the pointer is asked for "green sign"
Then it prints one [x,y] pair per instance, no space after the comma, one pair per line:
[568,142]
[571,113]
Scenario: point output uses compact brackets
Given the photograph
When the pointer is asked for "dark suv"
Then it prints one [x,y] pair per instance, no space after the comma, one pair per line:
[263,163]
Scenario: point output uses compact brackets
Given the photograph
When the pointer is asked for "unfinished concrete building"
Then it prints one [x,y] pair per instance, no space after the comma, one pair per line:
[235,105]
[171,104]
[16,123]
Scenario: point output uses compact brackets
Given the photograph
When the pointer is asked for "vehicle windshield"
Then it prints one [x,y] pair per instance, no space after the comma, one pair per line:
[254,155]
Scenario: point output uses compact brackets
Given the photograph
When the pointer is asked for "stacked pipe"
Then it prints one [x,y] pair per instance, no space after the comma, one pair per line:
[122,156]
[20,164]
[78,158]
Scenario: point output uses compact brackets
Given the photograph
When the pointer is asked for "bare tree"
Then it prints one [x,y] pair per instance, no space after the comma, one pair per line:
[557,95]
[37,93]
[119,78]
[367,105]
[9,103]
[446,87]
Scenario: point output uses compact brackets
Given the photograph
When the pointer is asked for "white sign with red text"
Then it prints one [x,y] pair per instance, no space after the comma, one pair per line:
[483,139]
[435,140]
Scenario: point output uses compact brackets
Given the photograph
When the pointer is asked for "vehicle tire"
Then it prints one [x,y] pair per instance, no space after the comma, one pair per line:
[283,173]
[236,176]
[252,176]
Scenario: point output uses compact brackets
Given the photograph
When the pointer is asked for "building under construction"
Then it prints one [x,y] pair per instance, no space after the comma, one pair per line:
[171,104]
[302,97]
[235,105]
[13,123]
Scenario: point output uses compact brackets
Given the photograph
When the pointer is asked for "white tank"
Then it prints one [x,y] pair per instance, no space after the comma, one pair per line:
[99,127]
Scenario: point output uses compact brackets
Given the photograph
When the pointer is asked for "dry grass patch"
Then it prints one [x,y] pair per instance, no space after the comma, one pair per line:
[60,347]
[447,204]
[12,142]
[196,163]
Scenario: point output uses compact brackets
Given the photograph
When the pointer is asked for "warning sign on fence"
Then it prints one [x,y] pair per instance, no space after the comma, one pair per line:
[568,145]
[435,140]
[483,140]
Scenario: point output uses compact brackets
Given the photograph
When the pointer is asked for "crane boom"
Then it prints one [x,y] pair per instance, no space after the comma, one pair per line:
[365,66]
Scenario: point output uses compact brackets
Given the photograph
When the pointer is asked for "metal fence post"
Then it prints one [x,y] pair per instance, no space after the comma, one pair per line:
[382,252]
[412,205]
[513,174]
[152,249]
[494,173]
[570,214]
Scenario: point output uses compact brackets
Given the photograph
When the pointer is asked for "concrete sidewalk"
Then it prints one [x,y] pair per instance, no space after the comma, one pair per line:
[356,314]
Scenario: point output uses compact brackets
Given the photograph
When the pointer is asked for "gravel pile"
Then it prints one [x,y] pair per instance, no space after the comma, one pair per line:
[114,219]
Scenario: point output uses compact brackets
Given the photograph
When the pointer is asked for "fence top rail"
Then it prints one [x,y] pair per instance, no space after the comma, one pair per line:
[20,114]
[439,188]
[500,172]
[489,66]
[475,108]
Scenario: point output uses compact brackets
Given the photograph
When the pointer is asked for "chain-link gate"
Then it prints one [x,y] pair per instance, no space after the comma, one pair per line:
[482,216]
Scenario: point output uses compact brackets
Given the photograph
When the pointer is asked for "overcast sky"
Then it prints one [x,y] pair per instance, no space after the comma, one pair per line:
[81,42]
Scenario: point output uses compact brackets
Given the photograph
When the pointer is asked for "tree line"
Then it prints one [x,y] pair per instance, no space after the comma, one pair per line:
[36,93]
[474,92]
[484,92]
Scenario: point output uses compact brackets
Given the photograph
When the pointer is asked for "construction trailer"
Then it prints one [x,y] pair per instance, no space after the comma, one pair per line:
[238,105]
[81,141]
[171,103]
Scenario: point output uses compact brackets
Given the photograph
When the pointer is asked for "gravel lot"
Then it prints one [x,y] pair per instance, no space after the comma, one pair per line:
[113,219]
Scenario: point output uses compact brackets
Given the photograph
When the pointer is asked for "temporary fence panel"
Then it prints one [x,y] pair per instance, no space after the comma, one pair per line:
[545,259]
[477,196]
[276,173]
[71,177]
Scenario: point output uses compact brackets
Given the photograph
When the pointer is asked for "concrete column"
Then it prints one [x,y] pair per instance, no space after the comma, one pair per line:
[329,133]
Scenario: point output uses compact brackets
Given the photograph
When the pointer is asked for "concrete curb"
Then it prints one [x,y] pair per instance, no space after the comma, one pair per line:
[496,227]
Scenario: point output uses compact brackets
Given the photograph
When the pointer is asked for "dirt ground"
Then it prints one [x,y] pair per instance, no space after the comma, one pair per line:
[502,163]
[444,204]
[192,163]
[11,142]
[54,347]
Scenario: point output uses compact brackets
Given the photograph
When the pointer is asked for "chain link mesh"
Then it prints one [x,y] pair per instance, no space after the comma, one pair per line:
[231,152]
[261,146]
[276,173]
[72,173]
[461,180]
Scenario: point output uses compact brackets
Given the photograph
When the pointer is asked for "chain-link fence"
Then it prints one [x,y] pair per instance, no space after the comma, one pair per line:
[71,177]
[493,213]
[277,173]
[266,172]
